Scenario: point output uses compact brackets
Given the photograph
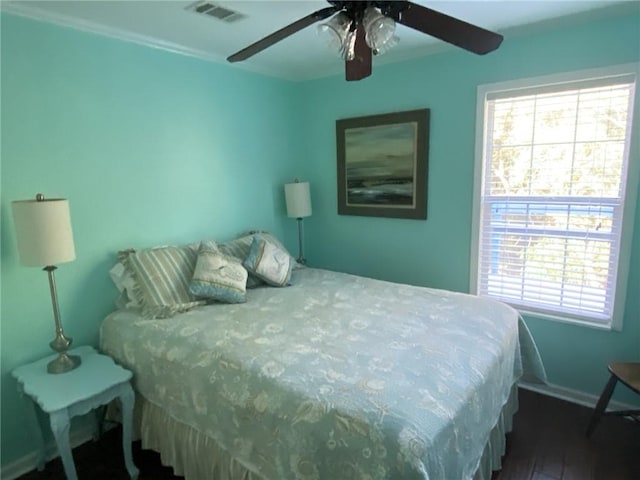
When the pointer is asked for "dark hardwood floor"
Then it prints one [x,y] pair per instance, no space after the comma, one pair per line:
[547,443]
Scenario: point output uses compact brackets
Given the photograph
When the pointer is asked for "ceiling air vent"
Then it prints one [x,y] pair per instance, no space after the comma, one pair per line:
[217,11]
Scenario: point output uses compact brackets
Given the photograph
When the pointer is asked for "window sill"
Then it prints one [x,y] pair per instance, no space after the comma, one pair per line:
[571,321]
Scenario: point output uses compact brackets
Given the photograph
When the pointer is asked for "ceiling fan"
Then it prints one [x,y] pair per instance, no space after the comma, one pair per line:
[362,29]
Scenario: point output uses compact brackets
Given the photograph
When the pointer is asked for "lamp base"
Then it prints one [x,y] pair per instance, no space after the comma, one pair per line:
[301,260]
[63,363]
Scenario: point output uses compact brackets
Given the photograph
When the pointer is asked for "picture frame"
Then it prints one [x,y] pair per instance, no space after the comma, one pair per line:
[382,164]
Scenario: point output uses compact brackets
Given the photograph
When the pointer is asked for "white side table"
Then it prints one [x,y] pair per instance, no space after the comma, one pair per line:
[96,382]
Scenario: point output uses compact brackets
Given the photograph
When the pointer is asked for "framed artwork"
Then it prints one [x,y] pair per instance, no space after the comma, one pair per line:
[382,165]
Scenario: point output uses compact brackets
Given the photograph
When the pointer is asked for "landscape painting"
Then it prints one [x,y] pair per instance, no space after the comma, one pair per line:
[382,165]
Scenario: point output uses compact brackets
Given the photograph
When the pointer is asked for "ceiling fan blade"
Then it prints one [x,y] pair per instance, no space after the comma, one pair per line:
[442,26]
[283,33]
[360,66]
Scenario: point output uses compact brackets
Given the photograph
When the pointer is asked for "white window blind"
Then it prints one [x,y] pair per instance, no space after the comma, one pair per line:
[555,162]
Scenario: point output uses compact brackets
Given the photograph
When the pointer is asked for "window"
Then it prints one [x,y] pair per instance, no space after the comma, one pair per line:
[549,204]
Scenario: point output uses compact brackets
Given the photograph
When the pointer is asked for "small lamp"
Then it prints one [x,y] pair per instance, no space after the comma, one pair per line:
[45,238]
[298,200]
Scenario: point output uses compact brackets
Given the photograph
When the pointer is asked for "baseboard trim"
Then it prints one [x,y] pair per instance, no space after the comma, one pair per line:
[573,396]
[28,462]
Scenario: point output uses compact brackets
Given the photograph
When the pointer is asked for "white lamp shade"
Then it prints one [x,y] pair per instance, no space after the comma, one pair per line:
[43,232]
[298,199]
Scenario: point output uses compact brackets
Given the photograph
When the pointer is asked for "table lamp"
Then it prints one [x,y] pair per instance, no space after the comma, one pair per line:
[298,200]
[45,238]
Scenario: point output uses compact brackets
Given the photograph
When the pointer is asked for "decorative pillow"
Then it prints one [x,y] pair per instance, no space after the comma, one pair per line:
[270,238]
[162,277]
[241,246]
[218,276]
[269,262]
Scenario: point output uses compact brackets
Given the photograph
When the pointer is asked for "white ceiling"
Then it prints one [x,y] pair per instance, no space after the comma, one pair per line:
[168,25]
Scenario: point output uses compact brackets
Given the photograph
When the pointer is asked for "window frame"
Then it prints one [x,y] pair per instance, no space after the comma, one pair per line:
[551,83]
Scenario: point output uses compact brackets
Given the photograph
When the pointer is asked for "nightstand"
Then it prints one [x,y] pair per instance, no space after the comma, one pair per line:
[96,382]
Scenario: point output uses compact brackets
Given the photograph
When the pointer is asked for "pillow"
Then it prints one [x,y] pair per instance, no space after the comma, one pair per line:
[218,276]
[122,302]
[270,238]
[269,262]
[162,277]
[125,283]
[240,248]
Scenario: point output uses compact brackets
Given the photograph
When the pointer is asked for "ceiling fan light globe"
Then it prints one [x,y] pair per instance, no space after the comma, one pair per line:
[379,34]
[330,37]
[393,41]
[379,29]
[334,32]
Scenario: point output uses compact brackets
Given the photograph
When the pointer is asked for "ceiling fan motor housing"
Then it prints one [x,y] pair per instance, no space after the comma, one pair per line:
[355,10]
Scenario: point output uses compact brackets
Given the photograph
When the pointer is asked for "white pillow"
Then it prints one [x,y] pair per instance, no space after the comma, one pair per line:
[269,262]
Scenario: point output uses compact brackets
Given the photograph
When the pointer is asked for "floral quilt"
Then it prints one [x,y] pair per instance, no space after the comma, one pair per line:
[334,377]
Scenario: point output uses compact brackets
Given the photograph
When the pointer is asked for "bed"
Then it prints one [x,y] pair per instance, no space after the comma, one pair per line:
[333,377]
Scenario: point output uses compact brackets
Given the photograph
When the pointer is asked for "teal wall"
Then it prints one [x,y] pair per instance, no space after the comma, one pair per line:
[152,147]
[436,253]
[148,146]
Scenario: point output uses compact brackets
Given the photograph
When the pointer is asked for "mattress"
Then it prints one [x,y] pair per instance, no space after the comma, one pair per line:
[334,377]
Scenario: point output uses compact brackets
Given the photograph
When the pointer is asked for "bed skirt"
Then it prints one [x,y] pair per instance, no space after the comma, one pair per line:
[196,456]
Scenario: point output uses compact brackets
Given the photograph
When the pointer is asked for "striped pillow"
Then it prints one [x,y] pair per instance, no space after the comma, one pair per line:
[162,278]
